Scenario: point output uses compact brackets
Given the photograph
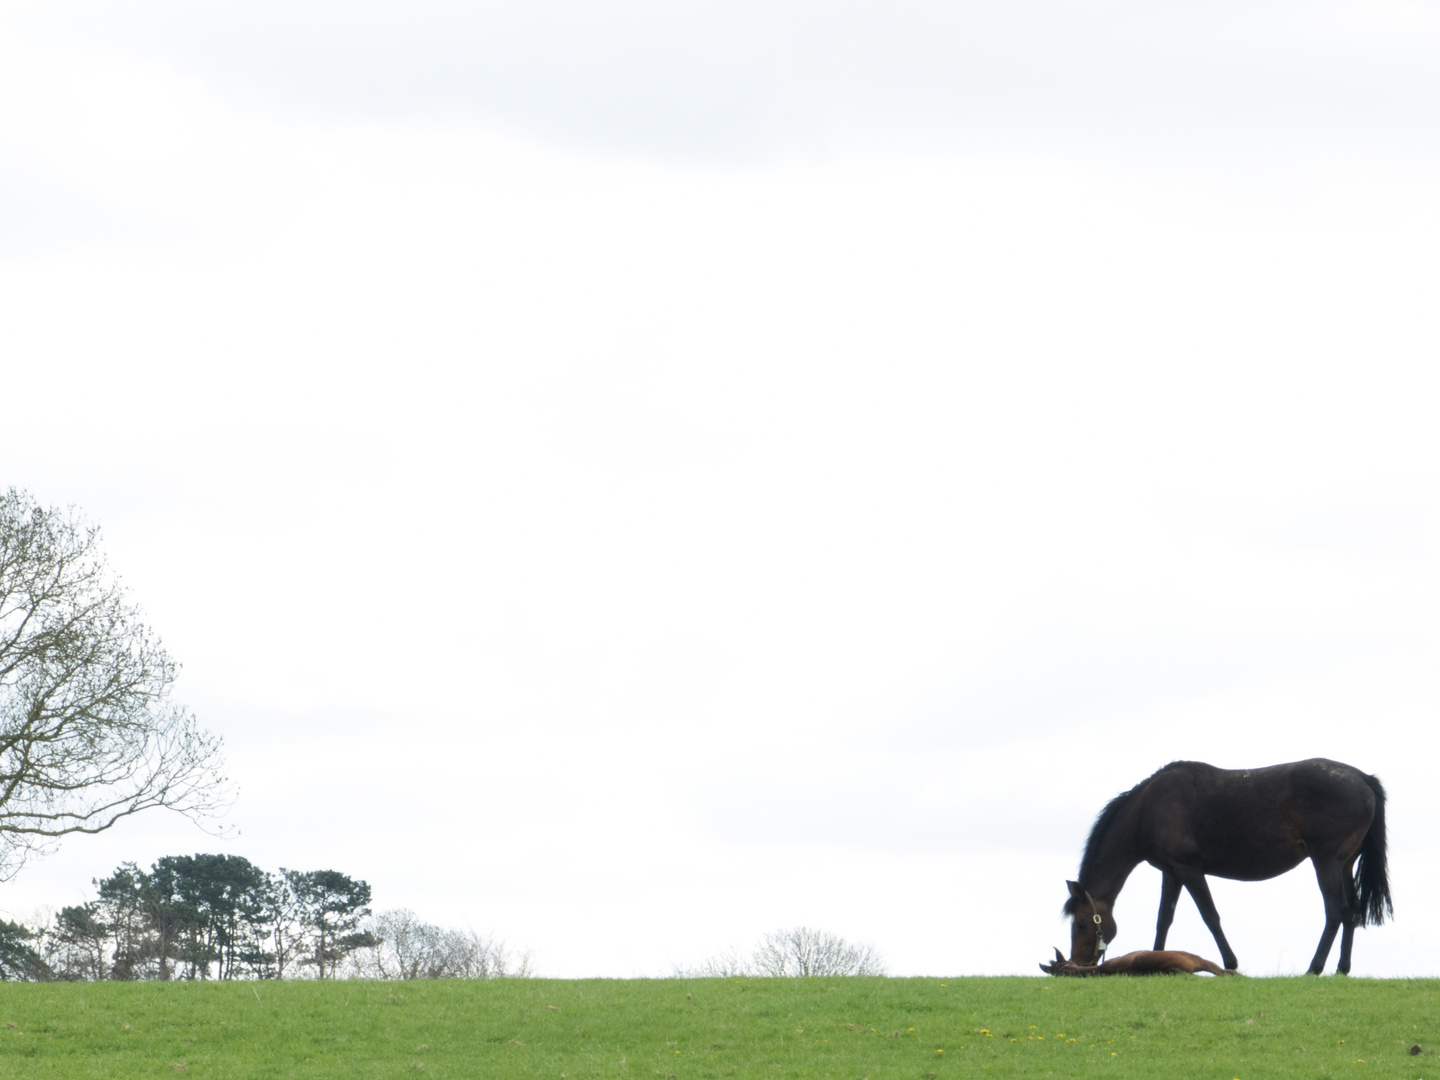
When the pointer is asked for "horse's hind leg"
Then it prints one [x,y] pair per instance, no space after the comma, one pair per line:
[1169,896]
[1200,892]
[1347,939]
[1352,916]
[1332,887]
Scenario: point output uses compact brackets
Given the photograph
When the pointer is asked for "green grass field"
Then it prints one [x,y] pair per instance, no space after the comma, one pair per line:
[1178,1026]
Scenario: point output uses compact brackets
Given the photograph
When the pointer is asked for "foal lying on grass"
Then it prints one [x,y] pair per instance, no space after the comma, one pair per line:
[1145,962]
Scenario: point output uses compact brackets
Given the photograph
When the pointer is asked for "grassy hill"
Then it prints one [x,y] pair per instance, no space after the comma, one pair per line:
[839,1028]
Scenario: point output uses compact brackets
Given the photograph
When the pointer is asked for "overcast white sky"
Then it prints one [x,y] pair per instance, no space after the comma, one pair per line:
[631,476]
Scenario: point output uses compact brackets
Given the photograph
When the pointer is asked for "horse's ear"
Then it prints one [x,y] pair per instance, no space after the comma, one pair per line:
[1078,892]
[1059,957]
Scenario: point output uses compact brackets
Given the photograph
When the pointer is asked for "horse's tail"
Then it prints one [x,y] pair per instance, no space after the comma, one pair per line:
[1372,878]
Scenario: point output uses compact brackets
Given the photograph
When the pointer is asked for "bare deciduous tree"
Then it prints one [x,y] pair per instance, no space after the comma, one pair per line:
[88,734]
[802,952]
[727,964]
[794,953]
[407,948]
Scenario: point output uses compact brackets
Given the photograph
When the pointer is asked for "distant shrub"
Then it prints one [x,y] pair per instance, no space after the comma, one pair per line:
[406,948]
[798,952]
[723,965]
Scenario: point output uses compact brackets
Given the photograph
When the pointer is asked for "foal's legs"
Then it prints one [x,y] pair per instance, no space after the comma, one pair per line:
[1200,893]
[1331,876]
[1169,896]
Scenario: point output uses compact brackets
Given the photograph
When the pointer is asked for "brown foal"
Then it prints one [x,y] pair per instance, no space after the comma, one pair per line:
[1144,962]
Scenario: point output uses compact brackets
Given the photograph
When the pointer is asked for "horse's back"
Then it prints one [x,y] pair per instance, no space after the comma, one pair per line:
[1253,824]
[1333,782]
[1317,773]
[1315,782]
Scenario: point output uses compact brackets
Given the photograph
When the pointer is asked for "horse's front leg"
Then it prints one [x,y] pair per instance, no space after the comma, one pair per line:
[1200,892]
[1169,897]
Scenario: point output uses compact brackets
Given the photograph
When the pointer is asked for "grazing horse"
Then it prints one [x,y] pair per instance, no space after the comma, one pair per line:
[1147,962]
[1191,819]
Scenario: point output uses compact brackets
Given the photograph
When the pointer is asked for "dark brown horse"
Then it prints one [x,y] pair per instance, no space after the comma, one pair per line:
[1146,962]
[1191,819]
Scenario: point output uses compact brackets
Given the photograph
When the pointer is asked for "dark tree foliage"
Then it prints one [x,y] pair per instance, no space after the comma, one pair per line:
[209,917]
[123,902]
[286,934]
[88,734]
[222,917]
[119,935]
[80,944]
[210,904]
[330,906]
[19,962]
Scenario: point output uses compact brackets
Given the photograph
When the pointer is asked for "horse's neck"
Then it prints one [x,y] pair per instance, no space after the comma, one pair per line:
[1117,858]
[1108,882]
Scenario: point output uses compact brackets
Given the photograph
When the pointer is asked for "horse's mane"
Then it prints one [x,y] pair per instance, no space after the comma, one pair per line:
[1102,825]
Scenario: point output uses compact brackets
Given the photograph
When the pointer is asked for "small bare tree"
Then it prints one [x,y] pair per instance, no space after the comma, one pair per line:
[794,953]
[88,734]
[802,952]
[407,948]
[726,964]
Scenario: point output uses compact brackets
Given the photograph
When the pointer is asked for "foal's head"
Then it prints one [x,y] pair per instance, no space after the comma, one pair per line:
[1092,927]
[1061,966]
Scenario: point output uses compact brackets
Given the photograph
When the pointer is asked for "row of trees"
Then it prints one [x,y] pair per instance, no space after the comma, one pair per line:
[222,917]
[203,917]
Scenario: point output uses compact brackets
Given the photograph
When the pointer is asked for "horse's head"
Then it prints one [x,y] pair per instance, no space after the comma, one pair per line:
[1092,927]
